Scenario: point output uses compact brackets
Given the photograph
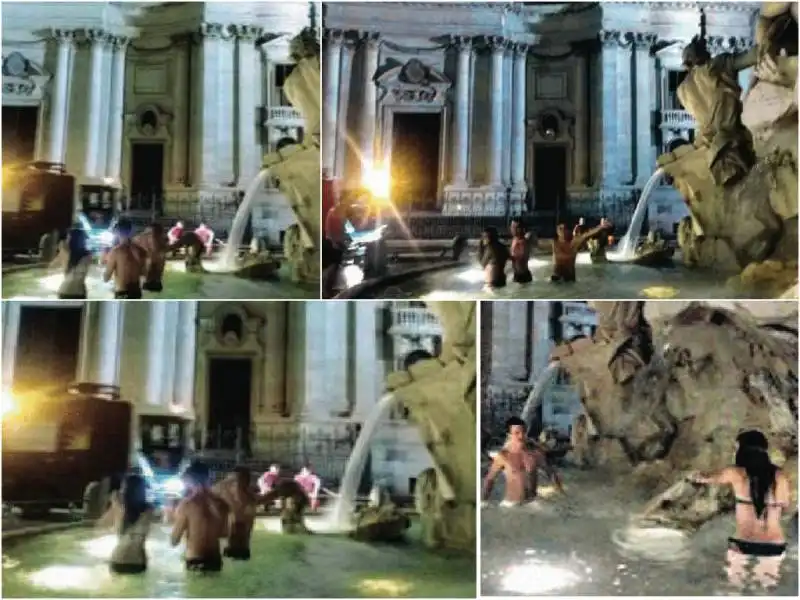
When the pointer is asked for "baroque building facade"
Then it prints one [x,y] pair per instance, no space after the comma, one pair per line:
[173,103]
[290,382]
[552,108]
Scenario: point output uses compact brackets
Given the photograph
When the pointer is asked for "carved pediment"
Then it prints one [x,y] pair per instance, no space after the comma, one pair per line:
[23,81]
[149,121]
[413,83]
[550,125]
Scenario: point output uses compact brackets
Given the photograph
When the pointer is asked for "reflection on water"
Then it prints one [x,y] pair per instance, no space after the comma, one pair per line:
[74,564]
[610,280]
[581,544]
[42,283]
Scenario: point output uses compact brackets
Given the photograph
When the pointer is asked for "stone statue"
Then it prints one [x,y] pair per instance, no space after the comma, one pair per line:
[741,149]
[440,393]
[380,520]
[664,417]
[296,167]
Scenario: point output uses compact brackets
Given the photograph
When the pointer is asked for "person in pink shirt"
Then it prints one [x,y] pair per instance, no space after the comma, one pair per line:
[311,485]
[175,232]
[267,481]
[206,235]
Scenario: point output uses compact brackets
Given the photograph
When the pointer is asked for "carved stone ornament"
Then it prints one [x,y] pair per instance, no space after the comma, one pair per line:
[23,83]
[16,65]
[150,120]
[413,83]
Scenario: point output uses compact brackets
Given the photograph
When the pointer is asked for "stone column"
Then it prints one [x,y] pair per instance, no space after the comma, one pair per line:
[508,112]
[325,342]
[169,363]
[580,174]
[117,110]
[608,88]
[12,310]
[273,392]
[518,120]
[367,385]
[156,325]
[109,342]
[186,357]
[97,41]
[249,158]
[59,106]
[204,128]
[645,105]
[340,165]
[497,46]
[180,91]
[625,114]
[371,44]
[461,129]
[226,108]
[330,104]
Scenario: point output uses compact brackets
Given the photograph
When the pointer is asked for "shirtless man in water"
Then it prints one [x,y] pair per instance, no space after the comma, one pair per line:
[236,490]
[565,250]
[154,242]
[126,263]
[520,464]
[203,518]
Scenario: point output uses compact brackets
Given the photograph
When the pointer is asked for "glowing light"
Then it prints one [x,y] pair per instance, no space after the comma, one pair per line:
[52,283]
[70,577]
[384,587]
[658,291]
[352,275]
[108,180]
[106,237]
[10,404]
[473,275]
[174,485]
[378,182]
[101,547]
[536,577]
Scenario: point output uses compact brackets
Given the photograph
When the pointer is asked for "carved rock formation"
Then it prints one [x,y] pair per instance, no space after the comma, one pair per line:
[384,523]
[674,400]
[440,394]
[752,217]
[296,167]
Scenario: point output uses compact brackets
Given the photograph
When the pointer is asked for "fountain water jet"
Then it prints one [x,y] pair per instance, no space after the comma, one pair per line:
[345,504]
[231,251]
[534,399]
[626,249]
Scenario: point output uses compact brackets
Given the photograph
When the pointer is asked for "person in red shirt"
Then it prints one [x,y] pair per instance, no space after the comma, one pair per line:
[206,235]
[175,232]
[333,247]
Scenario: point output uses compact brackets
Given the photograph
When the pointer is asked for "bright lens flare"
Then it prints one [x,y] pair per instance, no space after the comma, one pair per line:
[70,577]
[9,403]
[378,182]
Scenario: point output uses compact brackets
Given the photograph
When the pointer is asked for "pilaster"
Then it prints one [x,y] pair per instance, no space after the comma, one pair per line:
[59,107]
[332,59]
[370,42]
[645,148]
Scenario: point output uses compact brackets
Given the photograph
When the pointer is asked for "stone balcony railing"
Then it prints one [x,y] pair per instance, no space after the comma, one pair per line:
[283,116]
[414,321]
[677,119]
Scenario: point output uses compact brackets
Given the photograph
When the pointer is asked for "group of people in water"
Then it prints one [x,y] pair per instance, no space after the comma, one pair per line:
[494,255]
[206,518]
[133,262]
[762,493]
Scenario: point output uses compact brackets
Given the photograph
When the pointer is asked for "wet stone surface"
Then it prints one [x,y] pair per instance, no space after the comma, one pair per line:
[74,564]
[565,546]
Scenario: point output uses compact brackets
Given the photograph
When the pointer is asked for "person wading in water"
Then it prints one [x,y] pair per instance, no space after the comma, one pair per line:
[130,516]
[761,493]
[519,464]
[565,251]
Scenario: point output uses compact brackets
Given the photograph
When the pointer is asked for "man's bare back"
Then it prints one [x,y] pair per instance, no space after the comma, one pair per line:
[126,263]
[203,519]
[241,502]
[155,244]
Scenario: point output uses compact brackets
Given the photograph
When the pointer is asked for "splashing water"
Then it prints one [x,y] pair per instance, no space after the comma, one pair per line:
[626,249]
[231,251]
[345,504]
[658,544]
[534,399]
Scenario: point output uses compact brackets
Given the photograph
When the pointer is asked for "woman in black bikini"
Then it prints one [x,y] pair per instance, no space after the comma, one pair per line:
[130,516]
[762,492]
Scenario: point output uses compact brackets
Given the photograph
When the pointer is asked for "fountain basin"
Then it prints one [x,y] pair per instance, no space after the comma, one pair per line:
[74,564]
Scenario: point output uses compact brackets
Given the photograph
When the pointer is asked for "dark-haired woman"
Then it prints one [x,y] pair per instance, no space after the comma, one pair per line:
[130,516]
[493,256]
[761,492]
[78,262]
